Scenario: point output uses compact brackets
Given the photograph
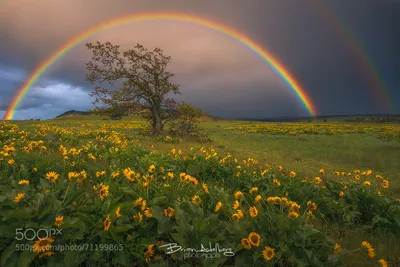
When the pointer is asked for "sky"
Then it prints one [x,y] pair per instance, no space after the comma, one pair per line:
[318,41]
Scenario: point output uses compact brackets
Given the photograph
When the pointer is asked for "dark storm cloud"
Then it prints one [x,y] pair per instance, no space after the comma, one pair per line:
[208,65]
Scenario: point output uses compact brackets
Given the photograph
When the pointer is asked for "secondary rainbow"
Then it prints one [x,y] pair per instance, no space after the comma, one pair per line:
[278,67]
[380,89]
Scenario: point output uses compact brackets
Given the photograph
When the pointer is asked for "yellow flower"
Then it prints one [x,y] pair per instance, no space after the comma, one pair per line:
[292,174]
[336,248]
[276,182]
[294,206]
[42,245]
[245,243]
[366,244]
[385,184]
[258,198]
[107,223]
[357,177]
[218,206]
[238,194]
[253,189]
[280,168]
[143,206]
[293,214]
[151,168]
[139,216]
[149,253]
[52,176]
[383,263]
[23,182]
[254,239]
[367,183]
[118,212]
[19,197]
[59,221]
[129,174]
[322,171]
[169,212]
[312,205]
[83,176]
[205,188]
[317,180]
[114,174]
[196,200]
[103,192]
[369,172]
[379,177]
[72,175]
[11,161]
[341,193]
[268,253]
[253,211]
[100,173]
[170,175]
[238,215]
[148,213]
[236,205]
[138,202]
[371,253]
[34,169]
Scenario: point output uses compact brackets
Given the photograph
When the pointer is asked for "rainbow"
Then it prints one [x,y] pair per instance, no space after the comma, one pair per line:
[380,89]
[286,76]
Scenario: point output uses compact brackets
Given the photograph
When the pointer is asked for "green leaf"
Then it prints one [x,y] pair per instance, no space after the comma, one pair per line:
[45,213]
[121,228]
[7,253]
[84,217]
[129,191]
[378,219]
[86,208]
[114,202]
[25,258]
[161,201]
[243,258]
[23,213]
[70,258]
[120,257]
[12,261]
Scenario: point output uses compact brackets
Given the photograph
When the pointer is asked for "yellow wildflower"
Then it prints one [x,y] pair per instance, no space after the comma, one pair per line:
[268,253]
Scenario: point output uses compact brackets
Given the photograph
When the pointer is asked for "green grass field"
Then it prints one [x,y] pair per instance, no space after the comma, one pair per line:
[355,191]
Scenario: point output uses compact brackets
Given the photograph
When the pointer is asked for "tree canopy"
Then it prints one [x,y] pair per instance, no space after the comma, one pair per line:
[144,82]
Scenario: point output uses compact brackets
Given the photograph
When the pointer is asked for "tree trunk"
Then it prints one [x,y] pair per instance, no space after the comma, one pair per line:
[157,126]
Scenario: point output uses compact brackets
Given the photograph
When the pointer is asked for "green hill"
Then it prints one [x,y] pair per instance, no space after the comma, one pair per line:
[70,113]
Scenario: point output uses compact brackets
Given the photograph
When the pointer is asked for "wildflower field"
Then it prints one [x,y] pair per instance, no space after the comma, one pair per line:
[94,192]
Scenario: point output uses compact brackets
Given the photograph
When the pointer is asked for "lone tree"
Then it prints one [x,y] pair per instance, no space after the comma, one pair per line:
[145,81]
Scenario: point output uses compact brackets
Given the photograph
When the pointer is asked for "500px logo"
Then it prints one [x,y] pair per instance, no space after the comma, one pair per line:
[31,234]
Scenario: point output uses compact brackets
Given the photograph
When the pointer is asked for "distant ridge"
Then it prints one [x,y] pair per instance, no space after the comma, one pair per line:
[348,118]
[73,113]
